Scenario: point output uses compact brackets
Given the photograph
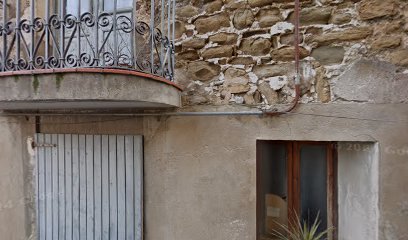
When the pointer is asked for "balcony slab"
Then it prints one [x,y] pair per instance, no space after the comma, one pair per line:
[86,88]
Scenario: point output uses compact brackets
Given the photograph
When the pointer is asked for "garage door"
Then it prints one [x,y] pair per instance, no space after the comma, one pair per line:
[89,186]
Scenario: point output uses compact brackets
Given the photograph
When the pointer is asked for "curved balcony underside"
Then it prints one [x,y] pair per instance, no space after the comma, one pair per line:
[87,54]
[85,88]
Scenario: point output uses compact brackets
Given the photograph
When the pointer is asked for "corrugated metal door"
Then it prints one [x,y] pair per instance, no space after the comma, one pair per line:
[89,187]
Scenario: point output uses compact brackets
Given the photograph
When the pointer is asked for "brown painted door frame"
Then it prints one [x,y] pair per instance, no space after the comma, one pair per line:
[293,175]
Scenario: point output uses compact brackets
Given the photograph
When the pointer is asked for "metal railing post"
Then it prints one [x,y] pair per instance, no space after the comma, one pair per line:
[17,34]
[96,47]
[62,32]
[162,11]
[4,35]
[78,23]
[115,34]
[173,38]
[47,32]
[32,49]
[168,50]
[134,42]
[152,35]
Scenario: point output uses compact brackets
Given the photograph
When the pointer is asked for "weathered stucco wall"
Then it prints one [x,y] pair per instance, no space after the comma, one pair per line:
[16,179]
[200,171]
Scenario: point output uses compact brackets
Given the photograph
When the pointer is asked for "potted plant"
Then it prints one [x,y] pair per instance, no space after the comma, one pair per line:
[299,229]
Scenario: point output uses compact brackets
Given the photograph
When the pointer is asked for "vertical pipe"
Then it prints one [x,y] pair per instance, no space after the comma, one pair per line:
[62,32]
[168,50]
[32,14]
[297,17]
[297,77]
[115,34]
[152,35]
[47,32]
[4,35]
[78,63]
[18,33]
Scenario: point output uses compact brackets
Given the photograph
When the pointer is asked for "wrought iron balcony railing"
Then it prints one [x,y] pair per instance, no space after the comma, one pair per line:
[48,34]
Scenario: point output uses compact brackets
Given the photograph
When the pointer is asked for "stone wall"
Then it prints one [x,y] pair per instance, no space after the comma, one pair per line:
[241,51]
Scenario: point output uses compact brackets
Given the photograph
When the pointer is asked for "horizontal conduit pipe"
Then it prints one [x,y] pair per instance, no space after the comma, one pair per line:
[247,113]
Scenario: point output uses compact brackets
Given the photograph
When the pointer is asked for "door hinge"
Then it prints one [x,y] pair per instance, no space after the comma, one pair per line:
[34,145]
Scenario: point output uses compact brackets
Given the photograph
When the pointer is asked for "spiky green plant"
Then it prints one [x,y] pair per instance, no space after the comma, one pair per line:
[300,230]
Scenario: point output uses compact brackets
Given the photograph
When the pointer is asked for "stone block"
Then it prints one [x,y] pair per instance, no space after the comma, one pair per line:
[243,18]
[224,38]
[212,23]
[288,53]
[373,82]
[180,28]
[186,12]
[288,39]
[268,17]
[386,42]
[399,57]
[346,35]
[259,3]
[271,95]
[256,46]
[370,9]
[218,52]
[263,71]
[238,88]
[241,61]
[189,55]
[195,43]
[340,18]
[328,54]
[202,70]
[312,16]
[322,86]
[213,6]
[235,76]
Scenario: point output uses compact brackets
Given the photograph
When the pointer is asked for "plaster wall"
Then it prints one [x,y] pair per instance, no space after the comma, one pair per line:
[200,172]
[16,189]
[358,190]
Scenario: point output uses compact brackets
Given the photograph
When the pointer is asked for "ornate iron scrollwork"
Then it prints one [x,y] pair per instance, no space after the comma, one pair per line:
[103,39]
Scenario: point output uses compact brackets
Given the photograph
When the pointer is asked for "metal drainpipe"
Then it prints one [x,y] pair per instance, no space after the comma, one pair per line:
[170,114]
[297,65]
